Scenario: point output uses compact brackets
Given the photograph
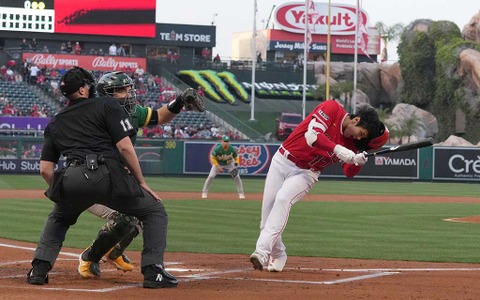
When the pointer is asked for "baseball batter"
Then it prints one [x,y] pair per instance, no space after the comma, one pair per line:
[224,157]
[328,135]
[120,227]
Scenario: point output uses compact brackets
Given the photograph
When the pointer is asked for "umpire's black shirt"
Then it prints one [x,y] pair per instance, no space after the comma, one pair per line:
[86,126]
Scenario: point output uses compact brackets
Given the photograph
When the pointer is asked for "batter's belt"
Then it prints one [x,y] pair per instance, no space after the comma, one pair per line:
[299,163]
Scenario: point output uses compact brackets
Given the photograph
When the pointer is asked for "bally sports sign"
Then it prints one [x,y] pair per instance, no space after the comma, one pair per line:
[291,17]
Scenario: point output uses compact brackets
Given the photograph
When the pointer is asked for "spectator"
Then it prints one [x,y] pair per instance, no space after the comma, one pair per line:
[63,48]
[121,51]
[10,75]
[45,49]
[139,71]
[24,45]
[34,70]
[92,52]
[112,50]
[78,48]
[33,44]
[100,52]
[206,54]
[3,98]
[259,57]
[200,91]
[69,48]
[217,59]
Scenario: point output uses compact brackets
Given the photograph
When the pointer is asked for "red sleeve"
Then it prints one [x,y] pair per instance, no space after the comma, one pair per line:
[324,143]
[350,170]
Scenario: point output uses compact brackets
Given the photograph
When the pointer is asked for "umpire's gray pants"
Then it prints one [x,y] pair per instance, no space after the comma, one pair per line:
[80,192]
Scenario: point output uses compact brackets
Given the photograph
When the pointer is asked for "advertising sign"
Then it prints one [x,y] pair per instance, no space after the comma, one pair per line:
[462,164]
[24,123]
[254,158]
[291,17]
[110,18]
[90,62]
[185,35]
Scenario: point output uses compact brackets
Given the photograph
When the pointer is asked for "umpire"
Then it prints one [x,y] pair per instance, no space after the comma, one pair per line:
[94,135]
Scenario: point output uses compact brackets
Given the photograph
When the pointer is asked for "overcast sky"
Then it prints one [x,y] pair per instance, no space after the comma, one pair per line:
[237,16]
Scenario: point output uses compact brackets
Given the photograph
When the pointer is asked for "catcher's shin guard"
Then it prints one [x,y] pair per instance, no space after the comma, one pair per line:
[110,234]
[123,244]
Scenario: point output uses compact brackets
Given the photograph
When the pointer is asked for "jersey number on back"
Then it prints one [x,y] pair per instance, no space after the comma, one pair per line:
[127,126]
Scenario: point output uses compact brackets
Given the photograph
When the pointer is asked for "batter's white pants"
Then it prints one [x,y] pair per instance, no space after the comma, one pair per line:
[214,171]
[284,186]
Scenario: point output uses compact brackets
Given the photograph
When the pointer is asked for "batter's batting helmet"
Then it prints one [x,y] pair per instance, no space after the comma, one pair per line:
[109,82]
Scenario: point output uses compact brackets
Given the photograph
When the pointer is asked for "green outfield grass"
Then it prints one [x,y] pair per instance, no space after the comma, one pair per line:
[400,231]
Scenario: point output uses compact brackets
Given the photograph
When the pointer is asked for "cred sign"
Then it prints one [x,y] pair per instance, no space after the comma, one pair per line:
[291,17]
[461,164]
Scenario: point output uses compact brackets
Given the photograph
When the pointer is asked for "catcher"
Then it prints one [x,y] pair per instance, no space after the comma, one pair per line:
[224,157]
[120,230]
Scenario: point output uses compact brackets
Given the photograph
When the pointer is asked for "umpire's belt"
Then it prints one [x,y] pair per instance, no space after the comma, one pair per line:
[76,163]
[296,161]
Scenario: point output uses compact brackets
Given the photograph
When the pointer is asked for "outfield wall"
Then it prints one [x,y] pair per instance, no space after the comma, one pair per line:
[181,157]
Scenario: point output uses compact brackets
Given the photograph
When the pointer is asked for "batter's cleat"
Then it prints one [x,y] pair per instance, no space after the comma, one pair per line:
[121,263]
[204,195]
[86,268]
[259,260]
[156,277]
[241,196]
[277,264]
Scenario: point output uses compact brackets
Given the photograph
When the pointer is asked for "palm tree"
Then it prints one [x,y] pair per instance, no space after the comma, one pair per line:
[388,34]
[411,125]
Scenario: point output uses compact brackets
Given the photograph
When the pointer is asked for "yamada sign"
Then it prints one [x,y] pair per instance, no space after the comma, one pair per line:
[291,17]
[90,62]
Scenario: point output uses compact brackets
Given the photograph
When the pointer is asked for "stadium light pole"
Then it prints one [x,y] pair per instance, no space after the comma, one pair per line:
[254,57]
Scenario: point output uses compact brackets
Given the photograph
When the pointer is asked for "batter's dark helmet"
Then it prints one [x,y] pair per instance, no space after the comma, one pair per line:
[109,82]
[74,79]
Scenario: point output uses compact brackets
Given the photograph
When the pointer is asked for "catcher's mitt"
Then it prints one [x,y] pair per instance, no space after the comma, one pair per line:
[234,173]
[192,101]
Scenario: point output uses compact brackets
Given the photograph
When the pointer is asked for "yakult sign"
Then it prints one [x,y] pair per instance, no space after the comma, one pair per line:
[101,63]
[291,17]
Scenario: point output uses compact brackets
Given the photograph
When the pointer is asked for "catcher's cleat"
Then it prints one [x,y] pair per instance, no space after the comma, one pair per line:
[277,264]
[259,260]
[156,277]
[121,262]
[86,268]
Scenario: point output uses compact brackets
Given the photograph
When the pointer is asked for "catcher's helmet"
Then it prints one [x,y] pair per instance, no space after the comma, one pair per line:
[109,82]
[74,79]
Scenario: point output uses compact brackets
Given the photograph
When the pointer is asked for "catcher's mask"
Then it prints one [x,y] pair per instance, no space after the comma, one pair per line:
[110,83]
[74,79]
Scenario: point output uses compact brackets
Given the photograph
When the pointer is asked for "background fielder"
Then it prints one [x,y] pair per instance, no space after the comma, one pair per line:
[224,157]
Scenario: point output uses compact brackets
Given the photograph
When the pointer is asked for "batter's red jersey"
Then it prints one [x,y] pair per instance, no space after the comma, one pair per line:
[330,116]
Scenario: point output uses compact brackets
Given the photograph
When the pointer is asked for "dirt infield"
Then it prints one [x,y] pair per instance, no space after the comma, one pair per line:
[213,276]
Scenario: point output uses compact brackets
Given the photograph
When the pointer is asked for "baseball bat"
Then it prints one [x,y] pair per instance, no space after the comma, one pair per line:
[403,147]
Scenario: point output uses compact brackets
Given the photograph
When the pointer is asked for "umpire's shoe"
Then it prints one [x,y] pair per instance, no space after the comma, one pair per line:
[87,268]
[39,273]
[156,277]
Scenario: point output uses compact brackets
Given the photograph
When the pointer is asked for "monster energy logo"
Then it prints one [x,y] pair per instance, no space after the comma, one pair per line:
[223,86]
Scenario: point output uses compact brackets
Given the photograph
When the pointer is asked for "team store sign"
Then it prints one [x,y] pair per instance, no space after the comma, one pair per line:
[90,62]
